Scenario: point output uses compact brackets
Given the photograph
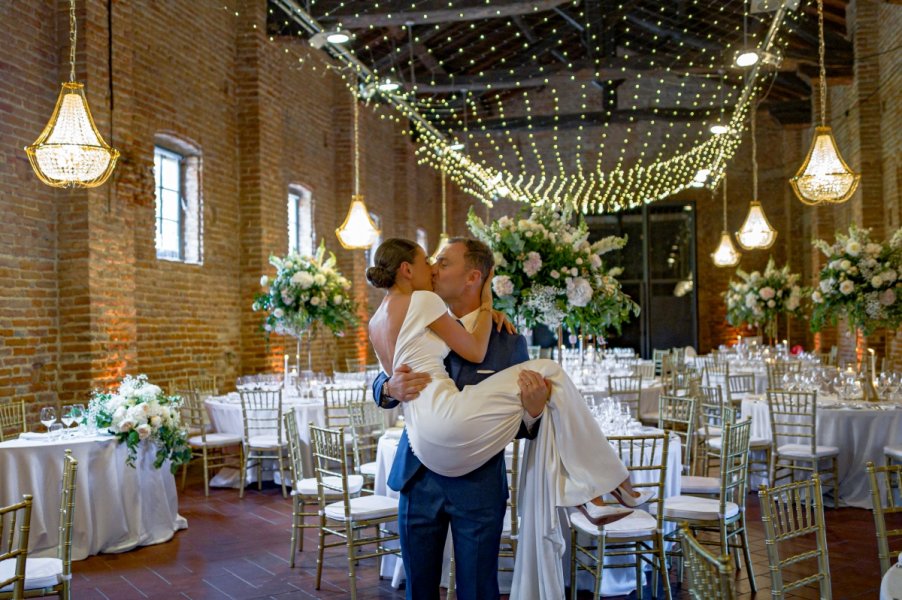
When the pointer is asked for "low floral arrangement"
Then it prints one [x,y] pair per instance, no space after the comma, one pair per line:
[306,290]
[757,299]
[546,271]
[140,411]
[861,280]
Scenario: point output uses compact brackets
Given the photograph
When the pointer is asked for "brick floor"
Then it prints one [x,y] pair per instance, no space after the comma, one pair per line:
[239,548]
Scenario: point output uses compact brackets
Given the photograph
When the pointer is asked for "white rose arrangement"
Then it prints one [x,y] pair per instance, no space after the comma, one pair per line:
[306,291]
[547,271]
[140,411]
[758,298]
[861,280]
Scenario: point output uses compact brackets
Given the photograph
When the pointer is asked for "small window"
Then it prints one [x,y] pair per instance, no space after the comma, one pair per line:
[179,212]
[300,220]
[423,239]
[377,221]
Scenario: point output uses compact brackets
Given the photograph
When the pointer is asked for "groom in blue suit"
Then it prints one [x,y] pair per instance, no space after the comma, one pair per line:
[473,505]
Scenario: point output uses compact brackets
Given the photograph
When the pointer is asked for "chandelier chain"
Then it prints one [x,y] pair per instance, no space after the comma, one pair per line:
[754,155]
[823,68]
[444,206]
[724,201]
[356,149]
[72,39]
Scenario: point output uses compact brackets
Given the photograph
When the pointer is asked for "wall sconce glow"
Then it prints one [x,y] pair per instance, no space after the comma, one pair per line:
[718,129]
[756,232]
[746,58]
[388,86]
[357,232]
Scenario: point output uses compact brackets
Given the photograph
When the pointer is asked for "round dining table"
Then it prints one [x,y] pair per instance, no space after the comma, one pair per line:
[117,507]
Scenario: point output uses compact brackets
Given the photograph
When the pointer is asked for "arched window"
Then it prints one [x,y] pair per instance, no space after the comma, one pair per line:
[179,199]
[301,233]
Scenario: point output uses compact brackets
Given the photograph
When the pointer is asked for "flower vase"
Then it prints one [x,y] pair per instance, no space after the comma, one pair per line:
[560,344]
[770,328]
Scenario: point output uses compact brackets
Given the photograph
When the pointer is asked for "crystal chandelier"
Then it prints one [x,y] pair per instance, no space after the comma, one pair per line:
[70,151]
[443,238]
[756,232]
[726,254]
[357,232]
[824,176]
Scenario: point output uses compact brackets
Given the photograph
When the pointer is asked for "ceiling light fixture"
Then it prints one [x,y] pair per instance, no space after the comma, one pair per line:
[357,232]
[726,254]
[756,232]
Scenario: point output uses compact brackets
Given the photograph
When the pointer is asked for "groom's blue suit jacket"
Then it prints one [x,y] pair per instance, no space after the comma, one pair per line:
[504,350]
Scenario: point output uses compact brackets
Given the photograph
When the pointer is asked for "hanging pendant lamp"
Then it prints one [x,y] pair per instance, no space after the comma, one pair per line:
[756,232]
[726,254]
[443,238]
[357,232]
[70,152]
[824,176]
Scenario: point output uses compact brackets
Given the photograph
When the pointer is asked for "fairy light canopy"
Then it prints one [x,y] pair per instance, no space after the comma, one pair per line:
[594,104]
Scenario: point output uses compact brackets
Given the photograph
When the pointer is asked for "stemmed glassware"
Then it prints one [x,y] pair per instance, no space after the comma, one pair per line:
[48,416]
[67,418]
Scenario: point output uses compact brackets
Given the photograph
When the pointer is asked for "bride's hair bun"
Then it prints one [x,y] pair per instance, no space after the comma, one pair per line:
[379,277]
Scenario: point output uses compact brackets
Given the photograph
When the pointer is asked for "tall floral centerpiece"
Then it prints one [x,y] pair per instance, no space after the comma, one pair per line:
[861,281]
[759,298]
[307,292]
[138,412]
[546,271]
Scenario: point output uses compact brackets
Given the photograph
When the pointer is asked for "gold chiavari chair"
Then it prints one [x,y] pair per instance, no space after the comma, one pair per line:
[12,419]
[716,373]
[657,356]
[713,412]
[886,491]
[681,383]
[354,365]
[348,518]
[724,515]
[776,371]
[790,512]
[261,411]
[511,529]
[892,453]
[710,577]
[627,389]
[304,489]
[639,535]
[367,426]
[678,358]
[15,521]
[204,385]
[677,415]
[209,447]
[738,387]
[337,402]
[793,425]
[52,576]
[644,370]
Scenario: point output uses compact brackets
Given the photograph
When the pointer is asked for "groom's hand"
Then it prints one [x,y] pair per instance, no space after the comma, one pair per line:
[535,391]
[406,385]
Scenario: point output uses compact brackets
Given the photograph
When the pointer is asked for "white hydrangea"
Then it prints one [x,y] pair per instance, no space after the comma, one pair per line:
[579,291]
[302,279]
[502,286]
[846,287]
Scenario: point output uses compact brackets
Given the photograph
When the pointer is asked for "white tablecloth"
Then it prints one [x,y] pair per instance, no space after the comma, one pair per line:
[891,585]
[117,508]
[616,581]
[860,434]
[648,396]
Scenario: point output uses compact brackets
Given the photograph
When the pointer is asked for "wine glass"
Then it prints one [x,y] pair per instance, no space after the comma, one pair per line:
[48,416]
[67,418]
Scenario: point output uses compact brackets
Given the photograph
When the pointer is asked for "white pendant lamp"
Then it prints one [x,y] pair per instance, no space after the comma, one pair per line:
[726,254]
[357,232]
[756,232]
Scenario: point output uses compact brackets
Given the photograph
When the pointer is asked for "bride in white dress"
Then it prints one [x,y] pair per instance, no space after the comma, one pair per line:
[454,431]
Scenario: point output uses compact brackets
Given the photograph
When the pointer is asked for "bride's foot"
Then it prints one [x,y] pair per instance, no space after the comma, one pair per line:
[633,500]
[602,515]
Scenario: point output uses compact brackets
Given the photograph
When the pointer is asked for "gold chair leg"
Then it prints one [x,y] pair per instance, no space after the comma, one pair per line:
[206,475]
[282,474]
[295,515]
[599,564]
[665,574]
[242,475]
[352,561]
[573,564]
[320,550]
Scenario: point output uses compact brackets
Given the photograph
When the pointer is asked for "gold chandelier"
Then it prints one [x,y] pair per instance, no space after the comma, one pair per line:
[357,232]
[443,238]
[70,152]
[726,254]
[756,232]
[824,176]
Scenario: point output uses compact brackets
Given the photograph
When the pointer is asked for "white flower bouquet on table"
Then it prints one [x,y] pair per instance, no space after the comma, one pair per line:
[758,298]
[139,411]
[861,280]
[306,290]
[546,271]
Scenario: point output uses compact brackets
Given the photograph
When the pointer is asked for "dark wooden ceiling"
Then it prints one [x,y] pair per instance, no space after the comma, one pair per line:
[499,49]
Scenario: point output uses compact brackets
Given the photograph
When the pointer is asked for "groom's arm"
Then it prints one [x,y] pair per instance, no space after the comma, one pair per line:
[402,386]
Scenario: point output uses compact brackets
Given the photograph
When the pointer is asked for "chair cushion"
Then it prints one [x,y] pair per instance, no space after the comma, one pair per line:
[804,451]
[215,440]
[693,484]
[755,443]
[694,508]
[712,432]
[307,487]
[369,468]
[265,441]
[364,508]
[894,451]
[636,524]
[39,573]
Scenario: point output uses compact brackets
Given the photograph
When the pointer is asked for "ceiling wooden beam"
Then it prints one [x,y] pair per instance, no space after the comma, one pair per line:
[425,17]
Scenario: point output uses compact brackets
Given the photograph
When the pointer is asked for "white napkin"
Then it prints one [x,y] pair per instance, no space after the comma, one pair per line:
[32,435]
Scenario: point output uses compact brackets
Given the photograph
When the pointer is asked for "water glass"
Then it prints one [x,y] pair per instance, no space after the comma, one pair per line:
[48,416]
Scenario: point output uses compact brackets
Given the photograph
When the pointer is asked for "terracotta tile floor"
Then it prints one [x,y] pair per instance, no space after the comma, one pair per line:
[238,549]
